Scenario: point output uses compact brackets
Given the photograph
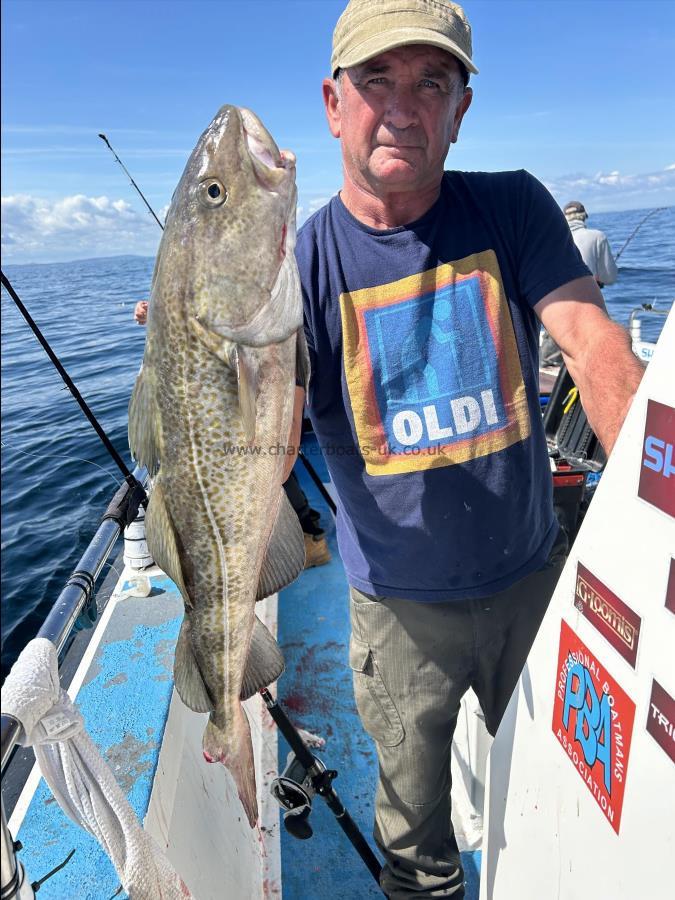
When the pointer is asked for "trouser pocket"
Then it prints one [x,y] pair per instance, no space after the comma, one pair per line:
[376,708]
[559,551]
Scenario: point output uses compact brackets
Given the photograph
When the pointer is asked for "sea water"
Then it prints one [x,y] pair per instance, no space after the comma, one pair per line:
[57,476]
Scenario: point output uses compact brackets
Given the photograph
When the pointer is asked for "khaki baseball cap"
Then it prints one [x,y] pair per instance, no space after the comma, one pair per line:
[367,28]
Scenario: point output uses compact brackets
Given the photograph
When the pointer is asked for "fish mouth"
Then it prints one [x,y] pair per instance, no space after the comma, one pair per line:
[270,165]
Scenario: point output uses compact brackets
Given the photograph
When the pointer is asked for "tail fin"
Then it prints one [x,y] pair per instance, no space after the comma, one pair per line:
[233,748]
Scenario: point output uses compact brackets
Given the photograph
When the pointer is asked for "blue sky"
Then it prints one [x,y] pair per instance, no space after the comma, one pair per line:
[579,93]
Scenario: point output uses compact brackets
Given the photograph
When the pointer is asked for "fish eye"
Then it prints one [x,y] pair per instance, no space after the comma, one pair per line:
[212,192]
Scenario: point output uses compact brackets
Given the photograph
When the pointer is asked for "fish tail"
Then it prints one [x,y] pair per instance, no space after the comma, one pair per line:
[233,748]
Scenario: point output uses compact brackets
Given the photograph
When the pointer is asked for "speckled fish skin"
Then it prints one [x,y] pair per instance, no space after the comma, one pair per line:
[225,322]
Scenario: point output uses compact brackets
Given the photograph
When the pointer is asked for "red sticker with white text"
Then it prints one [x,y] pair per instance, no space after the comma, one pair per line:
[613,618]
[593,722]
[661,719]
[657,469]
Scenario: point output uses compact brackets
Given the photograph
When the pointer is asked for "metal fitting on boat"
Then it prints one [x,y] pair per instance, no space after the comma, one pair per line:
[136,553]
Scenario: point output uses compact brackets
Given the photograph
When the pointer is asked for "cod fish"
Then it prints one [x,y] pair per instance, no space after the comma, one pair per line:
[210,416]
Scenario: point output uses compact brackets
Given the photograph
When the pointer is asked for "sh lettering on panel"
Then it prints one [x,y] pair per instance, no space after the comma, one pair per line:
[432,368]
[593,723]
[657,471]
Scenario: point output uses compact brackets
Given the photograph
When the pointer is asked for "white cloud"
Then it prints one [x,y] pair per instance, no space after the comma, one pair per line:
[309,206]
[38,230]
[607,191]
[35,229]
[316,203]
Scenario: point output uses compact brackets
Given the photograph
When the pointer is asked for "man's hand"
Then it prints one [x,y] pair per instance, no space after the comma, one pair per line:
[141,312]
[597,353]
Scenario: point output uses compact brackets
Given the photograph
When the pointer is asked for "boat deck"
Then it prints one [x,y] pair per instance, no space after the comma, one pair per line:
[123,687]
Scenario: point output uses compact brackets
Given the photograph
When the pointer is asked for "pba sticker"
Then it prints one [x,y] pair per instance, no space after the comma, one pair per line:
[593,722]
[661,719]
[670,590]
[608,613]
[657,469]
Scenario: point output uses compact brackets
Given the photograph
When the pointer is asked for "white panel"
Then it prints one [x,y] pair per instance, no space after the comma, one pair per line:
[546,834]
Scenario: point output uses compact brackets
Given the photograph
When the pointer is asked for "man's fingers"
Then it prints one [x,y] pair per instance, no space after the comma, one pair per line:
[141,312]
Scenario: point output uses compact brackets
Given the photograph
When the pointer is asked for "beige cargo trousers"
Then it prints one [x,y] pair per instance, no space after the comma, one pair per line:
[412,662]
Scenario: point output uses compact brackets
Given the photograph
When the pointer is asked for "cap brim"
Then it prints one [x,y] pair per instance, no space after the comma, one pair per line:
[400,37]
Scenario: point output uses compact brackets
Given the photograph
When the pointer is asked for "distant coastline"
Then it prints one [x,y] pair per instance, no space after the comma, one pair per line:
[78,259]
[595,217]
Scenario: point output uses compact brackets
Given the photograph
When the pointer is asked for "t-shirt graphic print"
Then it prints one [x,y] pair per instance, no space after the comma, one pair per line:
[432,368]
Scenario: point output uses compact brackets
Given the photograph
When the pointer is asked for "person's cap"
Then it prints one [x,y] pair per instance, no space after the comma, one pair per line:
[574,208]
[367,28]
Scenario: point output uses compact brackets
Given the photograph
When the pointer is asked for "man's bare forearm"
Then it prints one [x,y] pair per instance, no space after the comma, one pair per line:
[296,431]
[607,374]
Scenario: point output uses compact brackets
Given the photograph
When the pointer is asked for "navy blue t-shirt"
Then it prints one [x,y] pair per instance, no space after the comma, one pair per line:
[424,392]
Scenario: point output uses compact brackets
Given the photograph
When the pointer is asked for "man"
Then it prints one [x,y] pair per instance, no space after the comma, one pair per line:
[423,292]
[592,244]
[596,253]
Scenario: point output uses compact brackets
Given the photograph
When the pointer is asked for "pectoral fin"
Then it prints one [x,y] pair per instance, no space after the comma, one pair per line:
[264,663]
[285,556]
[247,375]
[222,347]
[242,361]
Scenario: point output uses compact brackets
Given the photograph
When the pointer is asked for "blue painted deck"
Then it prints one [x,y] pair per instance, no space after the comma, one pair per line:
[124,701]
[316,692]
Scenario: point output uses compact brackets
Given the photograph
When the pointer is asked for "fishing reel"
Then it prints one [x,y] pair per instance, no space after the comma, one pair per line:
[294,790]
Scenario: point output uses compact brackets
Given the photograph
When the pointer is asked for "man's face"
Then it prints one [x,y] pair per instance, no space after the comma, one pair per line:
[396,116]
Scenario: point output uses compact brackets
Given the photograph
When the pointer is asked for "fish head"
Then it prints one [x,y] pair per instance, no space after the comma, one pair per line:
[234,210]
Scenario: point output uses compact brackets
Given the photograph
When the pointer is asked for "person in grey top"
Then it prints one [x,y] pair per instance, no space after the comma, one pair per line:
[592,244]
[596,253]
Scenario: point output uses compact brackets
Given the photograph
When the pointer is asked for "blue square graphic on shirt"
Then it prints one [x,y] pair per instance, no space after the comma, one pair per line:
[427,351]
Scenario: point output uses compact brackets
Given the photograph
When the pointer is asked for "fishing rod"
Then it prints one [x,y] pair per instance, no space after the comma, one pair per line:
[104,138]
[638,227]
[318,482]
[107,443]
[305,775]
